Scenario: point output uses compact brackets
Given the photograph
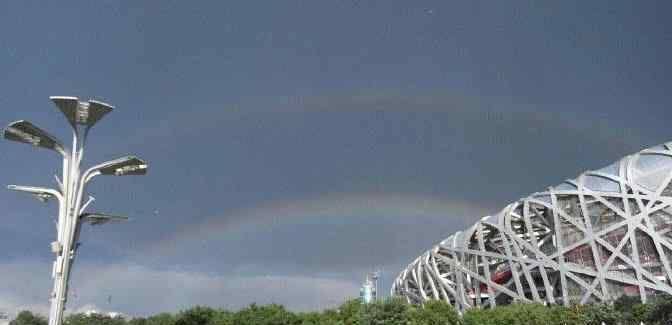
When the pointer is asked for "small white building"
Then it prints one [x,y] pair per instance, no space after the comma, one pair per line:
[4,318]
[111,314]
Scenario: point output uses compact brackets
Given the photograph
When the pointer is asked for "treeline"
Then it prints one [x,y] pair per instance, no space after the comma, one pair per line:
[624,311]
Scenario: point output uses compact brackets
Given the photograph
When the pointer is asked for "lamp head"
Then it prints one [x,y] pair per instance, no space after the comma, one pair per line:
[81,113]
[25,132]
[43,197]
[101,218]
[129,165]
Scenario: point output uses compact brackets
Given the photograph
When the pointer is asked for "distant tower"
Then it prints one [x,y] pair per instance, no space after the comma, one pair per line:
[368,291]
[375,276]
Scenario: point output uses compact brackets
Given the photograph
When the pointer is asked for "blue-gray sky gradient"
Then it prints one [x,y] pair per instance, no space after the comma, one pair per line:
[295,145]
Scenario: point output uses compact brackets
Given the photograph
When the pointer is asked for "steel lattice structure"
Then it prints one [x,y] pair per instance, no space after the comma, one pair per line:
[594,238]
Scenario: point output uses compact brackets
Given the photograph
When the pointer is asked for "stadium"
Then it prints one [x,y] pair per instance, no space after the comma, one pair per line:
[595,238]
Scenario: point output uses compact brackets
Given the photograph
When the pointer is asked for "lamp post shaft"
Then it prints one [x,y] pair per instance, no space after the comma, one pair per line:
[68,226]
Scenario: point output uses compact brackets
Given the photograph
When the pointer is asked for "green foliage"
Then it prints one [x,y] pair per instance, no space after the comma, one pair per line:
[660,311]
[564,315]
[596,314]
[396,311]
[27,318]
[310,318]
[476,316]
[435,313]
[349,313]
[265,315]
[392,311]
[161,319]
[624,303]
[329,317]
[631,310]
[221,317]
[198,315]
[528,314]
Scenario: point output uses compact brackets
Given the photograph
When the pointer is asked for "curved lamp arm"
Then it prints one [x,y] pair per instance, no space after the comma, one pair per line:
[40,192]
[129,165]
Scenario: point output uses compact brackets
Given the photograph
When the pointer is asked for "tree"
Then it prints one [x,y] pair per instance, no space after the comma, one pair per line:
[596,314]
[265,315]
[561,315]
[661,311]
[312,318]
[327,317]
[477,316]
[624,303]
[138,321]
[391,311]
[631,309]
[522,313]
[198,315]
[221,317]
[509,314]
[161,319]
[27,318]
[349,313]
[435,312]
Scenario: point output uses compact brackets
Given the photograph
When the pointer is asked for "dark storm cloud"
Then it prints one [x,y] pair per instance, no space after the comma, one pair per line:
[315,141]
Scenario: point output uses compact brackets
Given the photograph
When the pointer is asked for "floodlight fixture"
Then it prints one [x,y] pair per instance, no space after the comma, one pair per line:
[26,132]
[129,165]
[41,193]
[101,218]
[81,113]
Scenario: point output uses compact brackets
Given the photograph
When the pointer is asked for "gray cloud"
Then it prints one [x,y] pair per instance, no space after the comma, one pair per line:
[263,127]
[139,290]
[28,288]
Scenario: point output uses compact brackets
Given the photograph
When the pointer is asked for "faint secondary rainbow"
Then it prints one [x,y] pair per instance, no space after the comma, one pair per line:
[337,205]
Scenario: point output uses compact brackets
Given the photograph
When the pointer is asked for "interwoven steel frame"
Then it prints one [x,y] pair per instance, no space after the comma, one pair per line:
[602,235]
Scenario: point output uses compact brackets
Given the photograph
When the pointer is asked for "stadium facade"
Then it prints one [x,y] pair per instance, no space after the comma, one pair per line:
[604,234]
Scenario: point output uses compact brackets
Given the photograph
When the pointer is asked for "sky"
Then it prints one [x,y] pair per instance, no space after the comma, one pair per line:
[294,146]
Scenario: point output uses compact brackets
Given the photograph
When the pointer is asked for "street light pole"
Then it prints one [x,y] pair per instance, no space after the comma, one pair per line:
[72,186]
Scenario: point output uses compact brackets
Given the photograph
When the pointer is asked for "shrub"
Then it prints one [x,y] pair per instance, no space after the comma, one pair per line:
[27,318]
